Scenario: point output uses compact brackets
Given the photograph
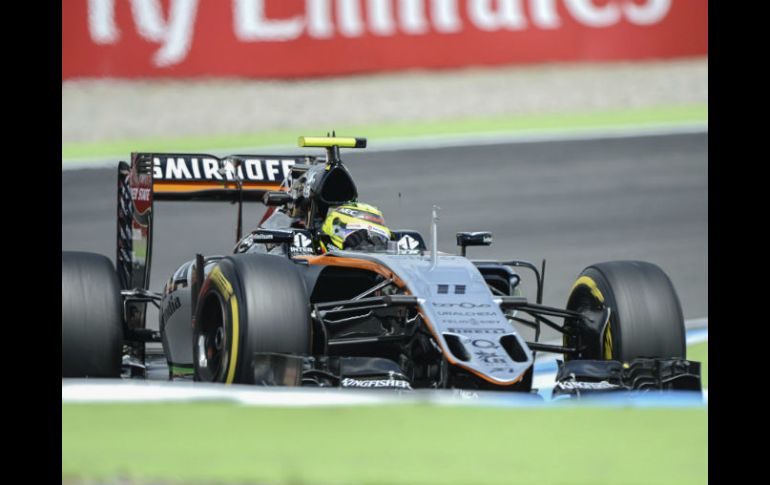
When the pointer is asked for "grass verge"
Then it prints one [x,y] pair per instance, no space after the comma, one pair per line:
[409,444]
[393,131]
[700,353]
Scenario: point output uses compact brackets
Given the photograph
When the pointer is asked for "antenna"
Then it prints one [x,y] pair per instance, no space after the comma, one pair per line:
[434,237]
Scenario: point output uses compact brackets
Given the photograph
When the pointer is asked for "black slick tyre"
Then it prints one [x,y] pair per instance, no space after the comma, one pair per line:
[645,314]
[91,316]
[248,303]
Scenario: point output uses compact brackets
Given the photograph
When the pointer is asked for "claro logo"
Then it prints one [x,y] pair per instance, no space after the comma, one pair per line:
[324,19]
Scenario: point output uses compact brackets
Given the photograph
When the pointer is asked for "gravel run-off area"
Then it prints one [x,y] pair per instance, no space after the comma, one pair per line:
[105,110]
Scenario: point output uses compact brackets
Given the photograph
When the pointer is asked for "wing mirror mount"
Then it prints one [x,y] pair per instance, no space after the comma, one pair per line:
[276,198]
[465,239]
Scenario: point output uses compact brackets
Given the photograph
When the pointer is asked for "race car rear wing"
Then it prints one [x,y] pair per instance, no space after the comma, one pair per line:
[185,176]
[154,177]
[188,176]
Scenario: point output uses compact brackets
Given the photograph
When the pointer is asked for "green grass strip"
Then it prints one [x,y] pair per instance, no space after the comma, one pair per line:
[700,353]
[409,444]
[177,370]
[403,130]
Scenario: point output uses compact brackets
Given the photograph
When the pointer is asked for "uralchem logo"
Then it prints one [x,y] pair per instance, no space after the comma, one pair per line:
[325,19]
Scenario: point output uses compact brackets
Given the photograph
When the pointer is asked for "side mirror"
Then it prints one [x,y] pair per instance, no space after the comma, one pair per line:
[465,239]
[276,197]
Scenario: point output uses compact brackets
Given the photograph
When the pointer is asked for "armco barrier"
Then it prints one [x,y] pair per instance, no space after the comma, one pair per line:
[303,38]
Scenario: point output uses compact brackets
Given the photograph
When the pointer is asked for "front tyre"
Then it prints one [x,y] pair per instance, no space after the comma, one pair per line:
[645,314]
[248,303]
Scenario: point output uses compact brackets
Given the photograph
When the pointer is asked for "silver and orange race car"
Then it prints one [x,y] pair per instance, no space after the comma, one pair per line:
[286,308]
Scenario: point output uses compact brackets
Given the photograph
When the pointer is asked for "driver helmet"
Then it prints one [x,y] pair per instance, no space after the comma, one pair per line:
[355,226]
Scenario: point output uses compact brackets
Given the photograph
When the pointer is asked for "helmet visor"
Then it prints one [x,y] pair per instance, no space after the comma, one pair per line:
[362,214]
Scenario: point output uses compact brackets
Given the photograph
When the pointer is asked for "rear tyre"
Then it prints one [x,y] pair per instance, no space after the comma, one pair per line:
[249,303]
[91,316]
[645,314]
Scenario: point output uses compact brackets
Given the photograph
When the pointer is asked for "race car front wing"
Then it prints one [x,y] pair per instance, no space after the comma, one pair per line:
[578,377]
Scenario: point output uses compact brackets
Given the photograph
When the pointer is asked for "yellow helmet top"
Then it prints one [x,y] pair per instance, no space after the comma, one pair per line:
[343,220]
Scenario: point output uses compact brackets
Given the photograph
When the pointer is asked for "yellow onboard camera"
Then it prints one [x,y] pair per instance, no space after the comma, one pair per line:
[331,141]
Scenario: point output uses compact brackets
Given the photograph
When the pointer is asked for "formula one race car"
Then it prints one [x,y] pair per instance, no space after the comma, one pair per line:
[323,294]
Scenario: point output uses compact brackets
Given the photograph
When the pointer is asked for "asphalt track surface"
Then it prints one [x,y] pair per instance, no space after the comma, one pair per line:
[573,203]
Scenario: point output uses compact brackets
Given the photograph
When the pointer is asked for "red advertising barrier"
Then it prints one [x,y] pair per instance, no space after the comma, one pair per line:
[302,38]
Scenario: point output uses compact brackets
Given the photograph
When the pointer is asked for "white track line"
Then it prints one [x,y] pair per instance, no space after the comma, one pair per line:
[108,390]
[95,391]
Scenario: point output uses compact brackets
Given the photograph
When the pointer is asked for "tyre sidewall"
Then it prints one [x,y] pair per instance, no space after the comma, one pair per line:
[646,317]
[611,339]
[211,293]
[265,308]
